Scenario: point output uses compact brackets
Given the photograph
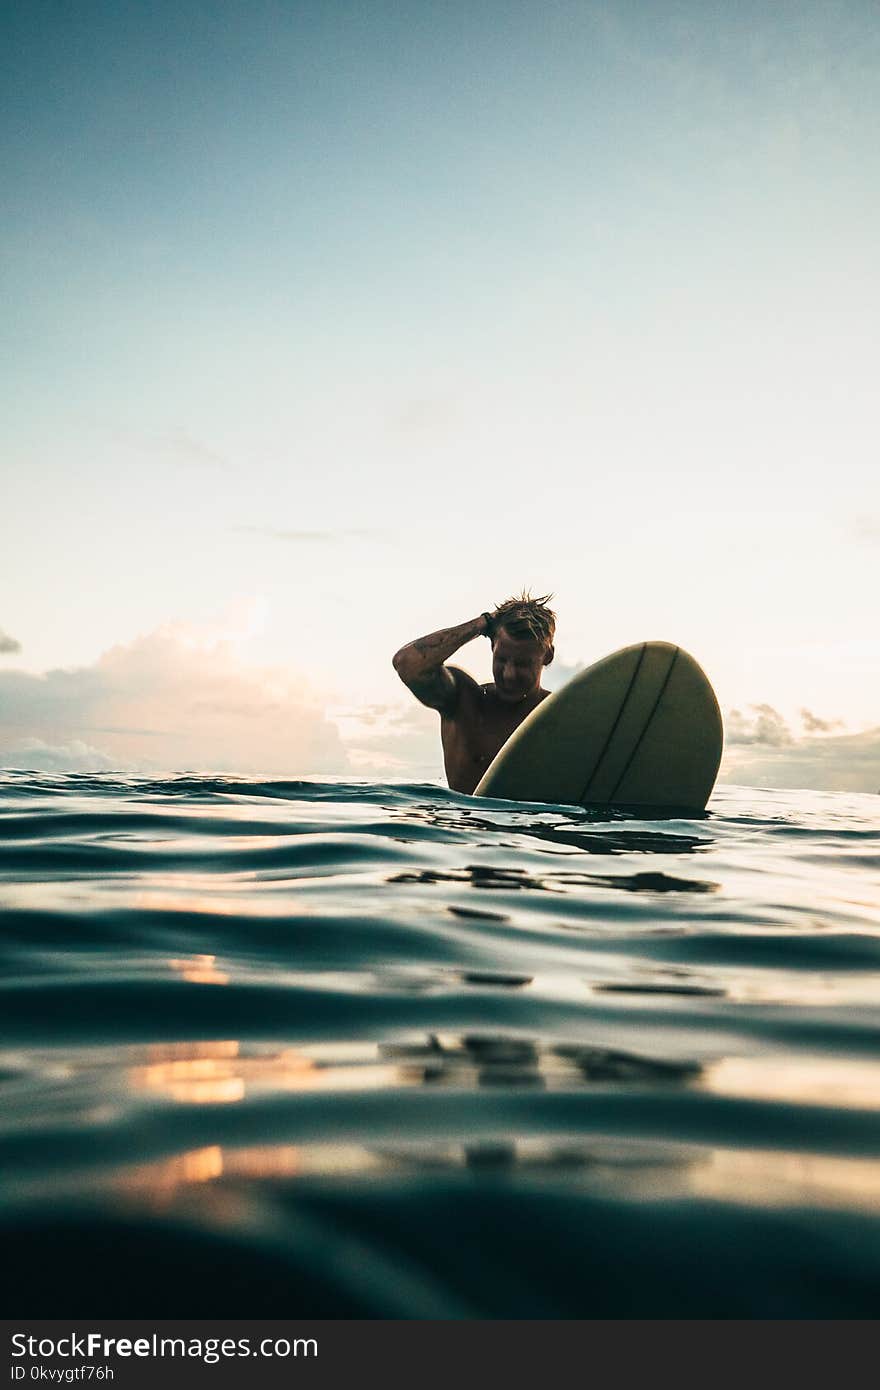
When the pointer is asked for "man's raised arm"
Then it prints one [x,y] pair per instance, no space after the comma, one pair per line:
[420,663]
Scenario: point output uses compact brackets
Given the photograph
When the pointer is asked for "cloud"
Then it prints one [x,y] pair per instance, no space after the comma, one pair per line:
[35,755]
[766,727]
[814,725]
[394,741]
[760,748]
[8,644]
[169,701]
[182,700]
[558,673]
[845,762]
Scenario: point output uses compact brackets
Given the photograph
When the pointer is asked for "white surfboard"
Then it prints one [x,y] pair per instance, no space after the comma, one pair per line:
[641,727]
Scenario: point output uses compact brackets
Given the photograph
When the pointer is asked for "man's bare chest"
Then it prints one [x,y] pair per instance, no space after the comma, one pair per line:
[479,731]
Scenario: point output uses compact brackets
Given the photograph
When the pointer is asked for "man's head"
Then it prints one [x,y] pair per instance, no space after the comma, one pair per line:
[522,645]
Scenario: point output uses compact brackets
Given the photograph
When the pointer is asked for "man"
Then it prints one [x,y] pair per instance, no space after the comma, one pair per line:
[475,720]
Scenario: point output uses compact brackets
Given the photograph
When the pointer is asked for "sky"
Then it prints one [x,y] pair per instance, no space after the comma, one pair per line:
[330,324]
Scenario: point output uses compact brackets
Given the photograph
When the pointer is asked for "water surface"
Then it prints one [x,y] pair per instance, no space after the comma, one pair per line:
[348,1049]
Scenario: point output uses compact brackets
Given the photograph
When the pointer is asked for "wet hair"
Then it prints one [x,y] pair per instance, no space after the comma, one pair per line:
[526,617]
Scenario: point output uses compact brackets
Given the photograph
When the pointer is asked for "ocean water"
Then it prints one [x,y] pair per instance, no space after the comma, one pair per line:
[317,1049]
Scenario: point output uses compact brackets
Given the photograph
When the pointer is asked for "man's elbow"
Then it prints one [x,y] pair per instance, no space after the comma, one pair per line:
[400,662]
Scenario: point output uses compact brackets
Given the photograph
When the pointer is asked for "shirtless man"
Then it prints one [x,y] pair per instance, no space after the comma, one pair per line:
[475,720]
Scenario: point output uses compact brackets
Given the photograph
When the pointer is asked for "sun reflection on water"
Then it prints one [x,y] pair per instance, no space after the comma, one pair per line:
[798,1080]
[217,1072]
[200,970]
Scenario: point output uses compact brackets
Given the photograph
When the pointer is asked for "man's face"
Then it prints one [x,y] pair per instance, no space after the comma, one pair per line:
[517,664]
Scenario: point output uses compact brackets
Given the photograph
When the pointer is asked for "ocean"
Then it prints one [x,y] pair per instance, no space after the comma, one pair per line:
[358,1050]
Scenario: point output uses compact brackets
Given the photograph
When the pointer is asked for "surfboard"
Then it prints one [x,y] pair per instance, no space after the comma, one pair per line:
[641,727]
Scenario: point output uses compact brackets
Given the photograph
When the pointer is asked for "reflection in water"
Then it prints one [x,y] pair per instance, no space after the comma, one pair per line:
[488,876]
[162,1179]
[201,1081]
[477,914]
[604,1064]
[643,1169]
[211,1073]
[200,1073]
[477,876]
[811,1080]
[566,831]
[200,970]
[208,1073]
[699,991]
[765,1178]
[486,1059]
[631,1043]
[202,1165]
[495,977]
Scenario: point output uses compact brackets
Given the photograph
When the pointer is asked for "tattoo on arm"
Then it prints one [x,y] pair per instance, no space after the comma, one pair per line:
[420,663]
[436,642]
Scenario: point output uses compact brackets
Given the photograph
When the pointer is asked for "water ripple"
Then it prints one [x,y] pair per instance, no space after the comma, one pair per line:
[302,1035]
